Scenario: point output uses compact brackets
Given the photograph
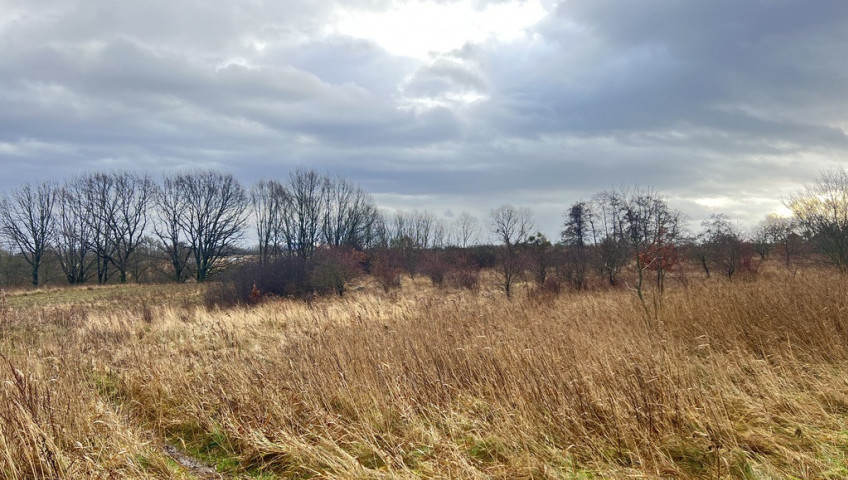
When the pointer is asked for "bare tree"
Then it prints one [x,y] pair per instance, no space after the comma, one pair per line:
[117,205]
[439,234]
[466,230]
[635,225]
[26,219]
[821,208]
[214,215]
[171,205]
[309,210]
[721,245]
[512,226]
[421,226]
[776,231]
[411,233]
[349,214]
[270,200]
[783,234]
[609,225]
[72,239]
[404,241]
[382,230]
[652,231]
[132,196]
[100,199]
[303,217]
[761,239]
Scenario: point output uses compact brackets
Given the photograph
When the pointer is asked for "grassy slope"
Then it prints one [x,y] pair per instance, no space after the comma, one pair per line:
[740,380]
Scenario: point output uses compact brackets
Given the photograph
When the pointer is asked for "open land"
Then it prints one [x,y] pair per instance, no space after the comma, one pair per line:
[717,379]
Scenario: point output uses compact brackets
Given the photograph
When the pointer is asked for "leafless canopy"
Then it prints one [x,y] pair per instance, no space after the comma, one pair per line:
[171,205]
[133,195]
[26,219]
[513,227]
[776,231]
[349,214]
[201,216]
[720,245]
[625,222]
[466,230]
[116,206]
[98,192]
[308,210]
[73,239]
[269,200]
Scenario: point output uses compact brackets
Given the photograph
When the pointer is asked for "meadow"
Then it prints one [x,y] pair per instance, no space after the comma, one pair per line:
[721,379]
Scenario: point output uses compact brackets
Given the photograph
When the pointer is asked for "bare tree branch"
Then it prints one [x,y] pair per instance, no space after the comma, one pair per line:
[26,219]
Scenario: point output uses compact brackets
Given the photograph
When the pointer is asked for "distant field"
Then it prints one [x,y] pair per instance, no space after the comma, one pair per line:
[742,379]
[107,296]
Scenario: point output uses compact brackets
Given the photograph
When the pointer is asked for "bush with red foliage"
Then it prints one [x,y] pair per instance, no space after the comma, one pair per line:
[436,265]
[464,272]
[385,266]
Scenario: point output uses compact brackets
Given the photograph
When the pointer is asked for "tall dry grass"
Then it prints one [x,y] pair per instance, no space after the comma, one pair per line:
[729,380]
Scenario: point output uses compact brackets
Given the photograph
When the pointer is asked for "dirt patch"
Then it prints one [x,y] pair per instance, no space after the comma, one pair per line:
[193,465]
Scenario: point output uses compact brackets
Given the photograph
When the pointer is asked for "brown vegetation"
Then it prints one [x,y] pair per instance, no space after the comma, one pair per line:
[730,379]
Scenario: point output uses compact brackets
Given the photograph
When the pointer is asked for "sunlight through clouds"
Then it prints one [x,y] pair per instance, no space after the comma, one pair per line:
[419,29]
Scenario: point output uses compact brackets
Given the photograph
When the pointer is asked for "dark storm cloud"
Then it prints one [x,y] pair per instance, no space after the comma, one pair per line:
[726,99]
[724,65]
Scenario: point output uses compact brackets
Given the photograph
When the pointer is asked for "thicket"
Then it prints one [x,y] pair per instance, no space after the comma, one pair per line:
[327,271]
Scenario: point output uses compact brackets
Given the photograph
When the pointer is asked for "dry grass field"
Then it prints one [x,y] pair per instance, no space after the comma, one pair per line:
[742,379]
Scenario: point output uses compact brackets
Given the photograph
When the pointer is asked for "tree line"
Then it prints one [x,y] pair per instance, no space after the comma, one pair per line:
[95,225]
[100,227]
[114,226]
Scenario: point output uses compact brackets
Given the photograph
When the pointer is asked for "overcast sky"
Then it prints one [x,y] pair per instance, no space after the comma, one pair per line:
[721,105]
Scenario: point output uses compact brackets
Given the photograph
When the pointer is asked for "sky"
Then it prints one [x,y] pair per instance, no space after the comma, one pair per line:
[720,105]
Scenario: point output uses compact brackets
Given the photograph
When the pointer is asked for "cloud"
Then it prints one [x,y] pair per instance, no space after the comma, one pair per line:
[445,76]
[737,101]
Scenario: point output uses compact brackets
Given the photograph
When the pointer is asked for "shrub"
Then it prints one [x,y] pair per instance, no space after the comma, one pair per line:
[483,256]
[464,272]
[436,265]
[468,279]
[250,282]
[333,267]
[385,268]
[747,264]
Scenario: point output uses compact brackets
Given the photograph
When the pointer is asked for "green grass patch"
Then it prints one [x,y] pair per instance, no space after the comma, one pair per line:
[693,459]
[366,456]
[488,450]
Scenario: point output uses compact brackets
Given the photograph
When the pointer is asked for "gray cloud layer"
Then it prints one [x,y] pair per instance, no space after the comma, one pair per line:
[738,102]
